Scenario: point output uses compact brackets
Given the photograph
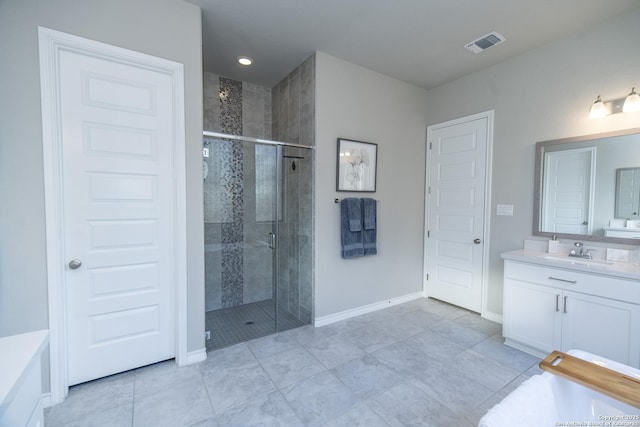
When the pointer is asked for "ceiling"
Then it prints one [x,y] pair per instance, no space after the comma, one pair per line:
[420,42]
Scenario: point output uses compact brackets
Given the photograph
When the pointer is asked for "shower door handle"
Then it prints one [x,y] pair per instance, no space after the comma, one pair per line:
[272,241]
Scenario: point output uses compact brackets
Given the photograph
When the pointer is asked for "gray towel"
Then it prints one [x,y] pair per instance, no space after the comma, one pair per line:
[369,226]
[351,241]
[354,211]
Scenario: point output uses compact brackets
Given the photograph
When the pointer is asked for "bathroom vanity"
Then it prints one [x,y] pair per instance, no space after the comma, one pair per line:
[21,379]
[554,302]
[622,232]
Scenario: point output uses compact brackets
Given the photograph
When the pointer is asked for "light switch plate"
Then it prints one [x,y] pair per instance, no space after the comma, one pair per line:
[205,152]
[505,210]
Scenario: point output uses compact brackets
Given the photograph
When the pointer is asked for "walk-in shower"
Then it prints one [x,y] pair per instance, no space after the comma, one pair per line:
[258,237]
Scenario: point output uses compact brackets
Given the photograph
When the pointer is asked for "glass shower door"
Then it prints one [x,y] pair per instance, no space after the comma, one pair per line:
[241,199]
[258,239]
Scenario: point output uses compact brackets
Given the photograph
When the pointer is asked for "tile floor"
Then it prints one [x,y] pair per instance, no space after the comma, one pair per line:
[422,363]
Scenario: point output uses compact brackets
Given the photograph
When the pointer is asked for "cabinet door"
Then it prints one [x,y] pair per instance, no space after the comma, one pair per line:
[531,314]
[602,326]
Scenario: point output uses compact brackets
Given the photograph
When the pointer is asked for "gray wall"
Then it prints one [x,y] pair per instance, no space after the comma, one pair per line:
[541,95]
[149,26]
[355,103]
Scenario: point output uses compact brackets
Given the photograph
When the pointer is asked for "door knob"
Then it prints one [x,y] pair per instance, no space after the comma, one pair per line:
[477,241]
[74,264]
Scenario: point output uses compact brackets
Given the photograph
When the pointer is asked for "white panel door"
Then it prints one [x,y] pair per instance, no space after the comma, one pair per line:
[455,213]
[627,193]
[567,197]
[119,239]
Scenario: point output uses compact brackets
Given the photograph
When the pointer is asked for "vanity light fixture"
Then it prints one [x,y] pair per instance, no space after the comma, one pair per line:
[597,109]
[602,108]
[245,60]
[632,102]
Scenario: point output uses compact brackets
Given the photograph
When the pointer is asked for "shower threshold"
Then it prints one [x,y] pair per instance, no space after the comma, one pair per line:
[245,322]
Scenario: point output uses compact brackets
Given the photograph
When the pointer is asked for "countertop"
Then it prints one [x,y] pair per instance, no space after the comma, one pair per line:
[623,270]
[17,352]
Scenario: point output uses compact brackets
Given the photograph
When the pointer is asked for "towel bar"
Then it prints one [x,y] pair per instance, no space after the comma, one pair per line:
[338,201]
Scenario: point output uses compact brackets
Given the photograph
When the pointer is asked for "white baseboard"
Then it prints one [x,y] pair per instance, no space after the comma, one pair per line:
[192,357]
[196,356]
[46,400]
[494,317]
[489,315]
[347,314]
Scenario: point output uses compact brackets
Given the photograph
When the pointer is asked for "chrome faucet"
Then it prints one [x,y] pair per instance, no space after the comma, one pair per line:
[580,252]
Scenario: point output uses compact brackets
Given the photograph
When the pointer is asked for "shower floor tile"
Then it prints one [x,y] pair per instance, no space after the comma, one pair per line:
[245,322]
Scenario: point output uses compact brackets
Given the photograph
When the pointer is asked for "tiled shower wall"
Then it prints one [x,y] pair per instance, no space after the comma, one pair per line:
[254,102]
[294,121]
[238,269]
[294,105]
[295,266]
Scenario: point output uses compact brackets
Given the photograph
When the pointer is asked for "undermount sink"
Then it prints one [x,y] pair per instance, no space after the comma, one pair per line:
[579,261]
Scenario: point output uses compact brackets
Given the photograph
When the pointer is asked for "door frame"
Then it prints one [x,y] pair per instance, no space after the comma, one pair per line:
[488,115]
[51,44]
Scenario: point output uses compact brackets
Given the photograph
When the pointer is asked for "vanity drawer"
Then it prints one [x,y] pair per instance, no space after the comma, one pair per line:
[577,281]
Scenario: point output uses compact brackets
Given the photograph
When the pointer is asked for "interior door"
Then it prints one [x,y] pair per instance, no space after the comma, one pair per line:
[568,190]
[119,237]
[627,193]
[456,175]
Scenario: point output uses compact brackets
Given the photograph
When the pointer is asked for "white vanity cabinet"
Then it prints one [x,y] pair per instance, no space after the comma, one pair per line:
[21,379]
[553,308]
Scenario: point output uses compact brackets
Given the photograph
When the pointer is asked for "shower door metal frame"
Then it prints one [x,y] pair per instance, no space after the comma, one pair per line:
[279,213]
[254,140]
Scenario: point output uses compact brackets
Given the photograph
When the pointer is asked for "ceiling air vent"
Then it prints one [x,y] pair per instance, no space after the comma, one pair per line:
[484,42]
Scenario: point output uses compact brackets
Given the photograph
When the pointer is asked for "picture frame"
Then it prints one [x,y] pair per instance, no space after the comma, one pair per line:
[356,166]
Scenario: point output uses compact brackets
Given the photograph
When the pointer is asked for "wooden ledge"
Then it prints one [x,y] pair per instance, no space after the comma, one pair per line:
[604,380]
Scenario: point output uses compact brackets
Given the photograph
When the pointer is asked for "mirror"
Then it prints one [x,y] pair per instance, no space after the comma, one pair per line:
[588,188]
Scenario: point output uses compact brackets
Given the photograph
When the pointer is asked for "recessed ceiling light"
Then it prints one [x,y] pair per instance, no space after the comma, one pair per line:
[245,60]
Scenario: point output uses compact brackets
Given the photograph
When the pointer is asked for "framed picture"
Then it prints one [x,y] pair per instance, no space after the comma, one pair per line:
[356,166]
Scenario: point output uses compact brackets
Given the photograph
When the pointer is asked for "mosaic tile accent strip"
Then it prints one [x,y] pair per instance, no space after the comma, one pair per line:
[233,182]
[231,106]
